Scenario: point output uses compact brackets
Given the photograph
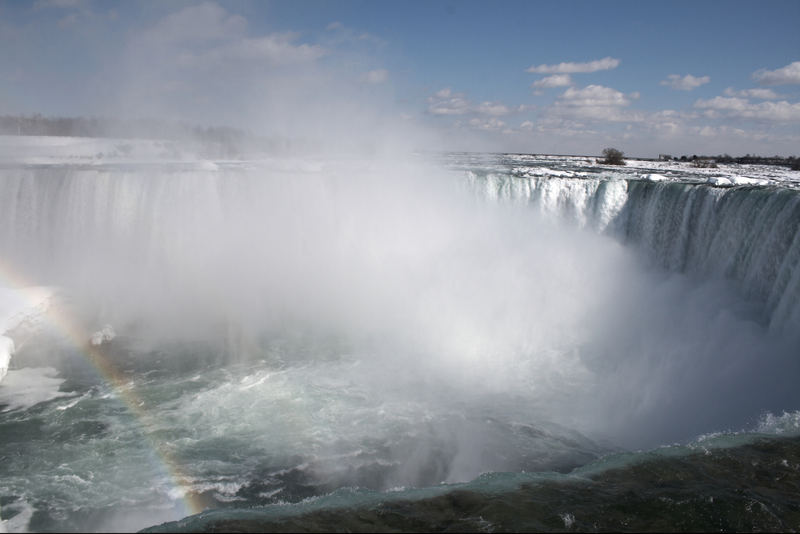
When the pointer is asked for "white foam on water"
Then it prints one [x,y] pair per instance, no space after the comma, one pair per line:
[6,351]
[21,520]
[104,335]
[19,306]
[786,423]
[73,402]
[26,387]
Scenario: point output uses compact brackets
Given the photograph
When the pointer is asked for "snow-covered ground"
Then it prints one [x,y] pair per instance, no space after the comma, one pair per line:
[100,153]
[724,174]
[21,309]
[97,152]
[16,307]
[36,149]
[539,166]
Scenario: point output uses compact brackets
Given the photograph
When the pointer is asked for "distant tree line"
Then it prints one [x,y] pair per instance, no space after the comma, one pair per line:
[222,141]
[613,156]
[37,124]
[710,161]
[219,141]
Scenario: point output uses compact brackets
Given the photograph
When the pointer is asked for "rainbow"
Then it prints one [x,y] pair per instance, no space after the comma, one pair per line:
[190,503]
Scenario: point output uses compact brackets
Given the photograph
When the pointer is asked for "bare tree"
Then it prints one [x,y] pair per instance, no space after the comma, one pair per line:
[612,156]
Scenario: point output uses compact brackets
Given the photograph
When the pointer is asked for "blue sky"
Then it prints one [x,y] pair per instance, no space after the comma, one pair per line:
[557,77]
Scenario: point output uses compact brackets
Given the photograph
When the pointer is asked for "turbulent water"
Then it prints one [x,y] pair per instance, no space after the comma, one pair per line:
[416,344]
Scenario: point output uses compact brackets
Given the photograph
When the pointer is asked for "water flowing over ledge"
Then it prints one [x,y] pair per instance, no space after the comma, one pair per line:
[749,234]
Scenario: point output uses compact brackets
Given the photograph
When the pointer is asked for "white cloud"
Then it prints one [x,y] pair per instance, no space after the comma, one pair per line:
[206,63]
[204,22]
[790,74]
[76,11]
[724,130]
[667,127]
[594,95]
[276,49]
[723,103]
[735,107]
[708,131]
[556,80]
[596,102]
[526,125]
[446,102]
[762,94]
[68,20]
[206,35]
[491,124]
[375,76]
[492,108]
[339,34]
[685,83]
[59,4]
[563,127]
[606,63]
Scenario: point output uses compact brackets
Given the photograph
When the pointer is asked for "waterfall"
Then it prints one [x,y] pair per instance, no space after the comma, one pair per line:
[747,234]
[155,223]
